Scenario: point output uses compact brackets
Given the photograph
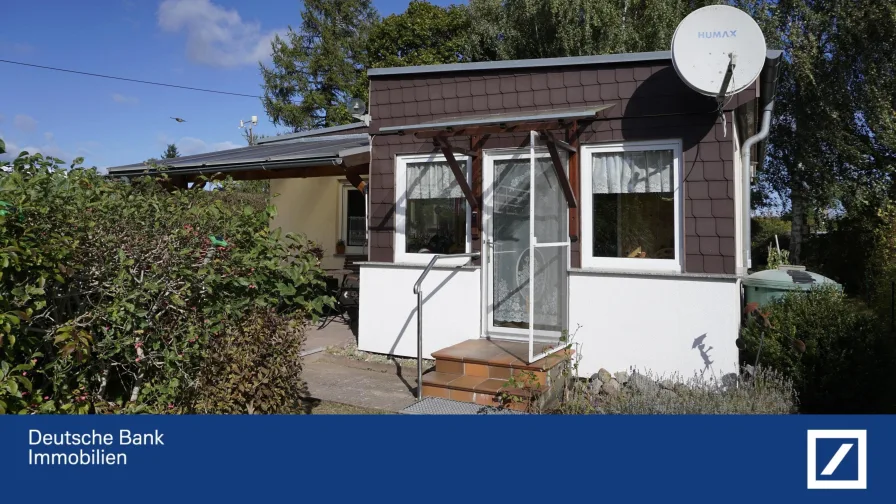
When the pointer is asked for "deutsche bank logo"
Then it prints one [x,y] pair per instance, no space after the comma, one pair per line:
[837,460]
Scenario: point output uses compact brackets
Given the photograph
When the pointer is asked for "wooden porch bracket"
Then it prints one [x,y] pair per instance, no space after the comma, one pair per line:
[448,152]
[549,137]
[463,152]
[572,137]
[356,180]
[558,167]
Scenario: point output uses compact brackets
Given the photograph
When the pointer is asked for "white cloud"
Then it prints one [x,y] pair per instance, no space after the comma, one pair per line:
[127,100]
[17,48]
[216,36]
[24,122]
[49,148]
[187,146]
[12,150]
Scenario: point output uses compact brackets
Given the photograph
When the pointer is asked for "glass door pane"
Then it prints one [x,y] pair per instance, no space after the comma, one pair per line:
[510,239]
[547,257]
[549,300]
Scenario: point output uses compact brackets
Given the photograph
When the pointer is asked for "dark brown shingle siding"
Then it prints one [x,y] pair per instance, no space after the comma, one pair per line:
[636,90]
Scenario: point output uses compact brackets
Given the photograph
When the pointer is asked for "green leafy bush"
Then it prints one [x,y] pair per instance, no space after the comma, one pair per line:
[111,291]
[254,367]
[834,350]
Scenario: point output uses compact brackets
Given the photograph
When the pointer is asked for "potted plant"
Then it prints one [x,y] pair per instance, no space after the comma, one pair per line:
[340,247]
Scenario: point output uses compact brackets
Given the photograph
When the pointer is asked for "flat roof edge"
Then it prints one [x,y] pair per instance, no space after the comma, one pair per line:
[219,168]
[312,133]
[533,63]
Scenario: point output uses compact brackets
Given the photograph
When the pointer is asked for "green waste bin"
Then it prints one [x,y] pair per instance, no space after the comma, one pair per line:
[764,287]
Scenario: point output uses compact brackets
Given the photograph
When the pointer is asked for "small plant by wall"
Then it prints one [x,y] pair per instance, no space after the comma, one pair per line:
[777,257]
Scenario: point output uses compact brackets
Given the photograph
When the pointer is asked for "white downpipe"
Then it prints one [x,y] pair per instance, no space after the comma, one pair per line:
[533,242]
[747,170]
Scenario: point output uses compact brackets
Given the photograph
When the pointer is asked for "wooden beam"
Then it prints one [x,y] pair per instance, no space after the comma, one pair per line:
[561,173]
[463,152]
[476,225]
[548,136]
[308,172]
[458,173]
[356,181]
[574,220]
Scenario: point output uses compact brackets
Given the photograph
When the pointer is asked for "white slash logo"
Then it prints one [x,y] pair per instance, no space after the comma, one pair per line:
[846,469]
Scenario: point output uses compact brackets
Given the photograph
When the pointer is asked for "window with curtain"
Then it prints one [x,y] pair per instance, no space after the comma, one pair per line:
[436,212]
[632,215]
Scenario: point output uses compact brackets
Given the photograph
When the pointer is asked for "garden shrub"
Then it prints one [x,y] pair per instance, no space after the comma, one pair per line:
[768,393]
[832,347]
[254,367]
[643,393]
[110,290]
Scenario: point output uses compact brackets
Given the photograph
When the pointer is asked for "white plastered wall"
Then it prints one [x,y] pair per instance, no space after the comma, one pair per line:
[388,308]
[654,323]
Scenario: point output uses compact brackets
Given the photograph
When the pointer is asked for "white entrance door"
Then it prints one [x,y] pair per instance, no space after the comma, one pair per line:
[516,218]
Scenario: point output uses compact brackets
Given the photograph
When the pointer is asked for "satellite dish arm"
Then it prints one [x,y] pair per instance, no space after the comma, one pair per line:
[726,82]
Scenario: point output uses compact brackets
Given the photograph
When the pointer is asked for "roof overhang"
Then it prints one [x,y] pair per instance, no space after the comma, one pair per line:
[565,62]
[551,119]
[305,158]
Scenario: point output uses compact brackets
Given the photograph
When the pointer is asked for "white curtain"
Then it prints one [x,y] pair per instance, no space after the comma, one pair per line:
[632,172]
[431,180]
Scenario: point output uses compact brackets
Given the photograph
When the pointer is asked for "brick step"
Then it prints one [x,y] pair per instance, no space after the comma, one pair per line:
[479,371]
[479,353]
[479,390]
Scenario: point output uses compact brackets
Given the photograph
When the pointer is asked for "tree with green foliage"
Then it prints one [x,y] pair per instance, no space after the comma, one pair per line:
[832,143]
[318,68]
[521,29]
[171,152]
[425,34]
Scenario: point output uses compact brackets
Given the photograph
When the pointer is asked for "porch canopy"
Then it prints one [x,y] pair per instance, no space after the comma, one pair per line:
[337,155]
[542,121]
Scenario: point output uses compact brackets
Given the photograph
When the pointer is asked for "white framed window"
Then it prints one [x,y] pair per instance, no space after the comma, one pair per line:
[352,219]
[432,215]
[631,206]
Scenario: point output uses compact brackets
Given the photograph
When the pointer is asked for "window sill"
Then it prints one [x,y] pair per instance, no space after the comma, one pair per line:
[648,273]
[403,265]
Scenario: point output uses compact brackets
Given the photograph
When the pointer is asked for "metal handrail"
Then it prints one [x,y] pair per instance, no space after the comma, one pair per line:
[419,293]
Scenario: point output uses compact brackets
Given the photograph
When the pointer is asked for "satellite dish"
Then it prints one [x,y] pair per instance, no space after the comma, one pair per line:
[357,106]
[718,50]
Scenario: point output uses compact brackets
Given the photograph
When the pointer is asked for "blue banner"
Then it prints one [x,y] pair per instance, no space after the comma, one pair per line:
[721,459]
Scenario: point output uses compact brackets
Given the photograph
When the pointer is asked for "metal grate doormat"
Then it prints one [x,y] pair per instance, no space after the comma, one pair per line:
[440,406]
[800,277]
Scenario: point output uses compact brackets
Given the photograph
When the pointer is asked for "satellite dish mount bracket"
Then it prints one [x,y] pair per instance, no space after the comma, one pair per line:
[723,92]
[726,82]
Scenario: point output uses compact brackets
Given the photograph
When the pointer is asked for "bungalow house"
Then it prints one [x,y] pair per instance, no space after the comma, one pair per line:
[317,181]
[595,199]
[517,207]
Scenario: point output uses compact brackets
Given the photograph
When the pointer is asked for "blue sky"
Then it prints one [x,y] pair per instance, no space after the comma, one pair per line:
[212,44]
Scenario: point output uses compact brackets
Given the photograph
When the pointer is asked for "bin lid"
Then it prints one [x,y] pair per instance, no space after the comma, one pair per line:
[787,278]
